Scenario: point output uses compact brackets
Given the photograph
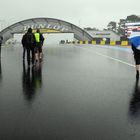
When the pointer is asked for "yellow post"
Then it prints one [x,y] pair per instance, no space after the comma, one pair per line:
[102,42]
[94,42]
[112,43]
[124,43]
[81,42]
[86,42]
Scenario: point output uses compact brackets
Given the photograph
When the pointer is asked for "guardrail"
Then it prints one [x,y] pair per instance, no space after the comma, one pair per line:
[112,43]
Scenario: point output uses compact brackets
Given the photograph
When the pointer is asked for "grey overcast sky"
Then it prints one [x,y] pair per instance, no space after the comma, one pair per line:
[84,13]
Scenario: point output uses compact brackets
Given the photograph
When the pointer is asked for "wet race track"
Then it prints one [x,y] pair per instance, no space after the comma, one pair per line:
[78,92]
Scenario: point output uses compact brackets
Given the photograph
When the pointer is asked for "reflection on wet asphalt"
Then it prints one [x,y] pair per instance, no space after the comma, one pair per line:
[74,94]
[32,80]
[135,101]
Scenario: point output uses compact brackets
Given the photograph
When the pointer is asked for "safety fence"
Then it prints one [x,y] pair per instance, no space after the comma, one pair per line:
[112,43]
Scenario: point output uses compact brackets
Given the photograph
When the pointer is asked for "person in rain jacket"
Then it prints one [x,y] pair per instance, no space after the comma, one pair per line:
[29,42]
[39,39]
[1,39]
[136,53]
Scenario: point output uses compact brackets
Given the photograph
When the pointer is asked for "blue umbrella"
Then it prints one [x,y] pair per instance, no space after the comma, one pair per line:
[135,40]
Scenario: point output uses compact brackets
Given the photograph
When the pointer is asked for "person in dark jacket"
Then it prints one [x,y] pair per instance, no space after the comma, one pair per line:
[136,53]
[1,39]
[23,45]
[29,42]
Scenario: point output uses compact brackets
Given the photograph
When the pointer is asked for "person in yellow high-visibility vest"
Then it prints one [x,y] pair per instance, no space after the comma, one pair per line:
[39,39]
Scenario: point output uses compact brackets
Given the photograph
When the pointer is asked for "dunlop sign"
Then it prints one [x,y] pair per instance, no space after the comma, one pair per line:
[46,26]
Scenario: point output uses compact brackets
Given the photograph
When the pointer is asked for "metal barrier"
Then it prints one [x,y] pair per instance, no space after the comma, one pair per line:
[112,43]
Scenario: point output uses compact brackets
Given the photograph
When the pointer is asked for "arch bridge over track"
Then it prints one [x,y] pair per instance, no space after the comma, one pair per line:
[46,25]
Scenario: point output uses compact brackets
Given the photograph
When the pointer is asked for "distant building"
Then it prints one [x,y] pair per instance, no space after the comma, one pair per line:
[104,35]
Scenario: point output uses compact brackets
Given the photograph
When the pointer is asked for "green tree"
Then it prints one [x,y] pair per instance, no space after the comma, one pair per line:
[121,27]
[133,18]
[112,26]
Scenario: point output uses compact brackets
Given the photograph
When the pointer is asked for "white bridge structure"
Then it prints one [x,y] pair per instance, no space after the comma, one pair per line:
[49,25]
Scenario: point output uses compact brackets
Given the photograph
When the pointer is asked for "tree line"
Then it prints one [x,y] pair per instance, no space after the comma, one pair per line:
[119,27]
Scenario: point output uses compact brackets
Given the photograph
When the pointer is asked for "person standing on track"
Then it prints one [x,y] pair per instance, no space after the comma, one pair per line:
[136,53]
[39,39]
[1,39]
[134,40]
[23,41]
[29,42]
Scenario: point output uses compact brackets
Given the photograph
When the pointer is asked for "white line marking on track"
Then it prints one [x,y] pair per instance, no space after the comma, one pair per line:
[109,57]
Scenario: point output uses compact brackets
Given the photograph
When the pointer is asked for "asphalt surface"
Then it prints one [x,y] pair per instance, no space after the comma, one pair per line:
[78,92]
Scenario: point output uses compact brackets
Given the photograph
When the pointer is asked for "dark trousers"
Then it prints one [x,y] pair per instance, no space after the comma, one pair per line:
[24,51]
[30,50]
[136,55]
